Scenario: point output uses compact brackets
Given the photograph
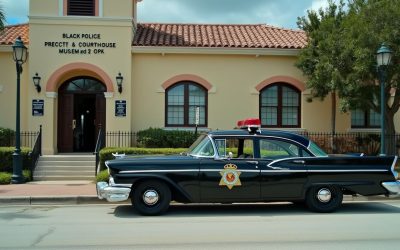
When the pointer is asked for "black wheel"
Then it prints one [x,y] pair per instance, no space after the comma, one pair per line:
[151,197]
[324,199]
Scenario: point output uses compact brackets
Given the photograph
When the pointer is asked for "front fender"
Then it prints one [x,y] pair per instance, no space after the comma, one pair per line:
[177,190]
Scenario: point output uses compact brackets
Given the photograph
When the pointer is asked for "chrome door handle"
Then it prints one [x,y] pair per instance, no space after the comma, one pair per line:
[299,161]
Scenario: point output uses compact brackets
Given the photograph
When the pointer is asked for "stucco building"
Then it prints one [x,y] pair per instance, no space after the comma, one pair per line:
[168,71]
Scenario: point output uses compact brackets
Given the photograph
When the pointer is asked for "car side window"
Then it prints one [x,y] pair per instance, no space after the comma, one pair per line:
[271,148]
[236,148]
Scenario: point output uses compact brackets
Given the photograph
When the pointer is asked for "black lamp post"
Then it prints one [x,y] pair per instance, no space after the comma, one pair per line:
[383,57]
[19,55]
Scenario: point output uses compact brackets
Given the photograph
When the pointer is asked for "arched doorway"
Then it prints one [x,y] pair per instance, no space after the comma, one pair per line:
[81,109]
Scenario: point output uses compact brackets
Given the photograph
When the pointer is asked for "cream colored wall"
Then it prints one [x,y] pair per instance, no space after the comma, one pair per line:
[44,7]
[317,115]
[117,8]
[233,96]
[8,92]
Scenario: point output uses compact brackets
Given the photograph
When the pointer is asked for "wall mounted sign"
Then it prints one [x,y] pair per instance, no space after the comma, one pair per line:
[81,43]
[37,107]
[120,108]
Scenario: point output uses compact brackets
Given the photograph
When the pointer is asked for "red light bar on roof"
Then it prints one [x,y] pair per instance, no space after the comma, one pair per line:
[249,123]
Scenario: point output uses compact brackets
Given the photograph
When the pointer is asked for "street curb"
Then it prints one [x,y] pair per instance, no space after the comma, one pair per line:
[51,200]
[93,199]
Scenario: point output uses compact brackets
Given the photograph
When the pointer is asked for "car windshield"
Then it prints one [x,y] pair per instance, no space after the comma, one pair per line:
[201,147]
[317,151]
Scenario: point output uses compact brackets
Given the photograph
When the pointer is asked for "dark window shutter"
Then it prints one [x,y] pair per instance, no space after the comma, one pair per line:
[81,7]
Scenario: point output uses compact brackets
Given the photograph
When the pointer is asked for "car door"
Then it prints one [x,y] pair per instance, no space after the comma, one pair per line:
[233,175]
[283,169]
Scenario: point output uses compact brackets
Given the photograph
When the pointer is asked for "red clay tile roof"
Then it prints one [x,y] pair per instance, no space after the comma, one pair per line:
[218,35]
[12,32]
[195,35]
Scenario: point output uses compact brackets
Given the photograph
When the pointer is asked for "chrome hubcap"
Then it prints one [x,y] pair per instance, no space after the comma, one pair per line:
[324,195]
[150,197]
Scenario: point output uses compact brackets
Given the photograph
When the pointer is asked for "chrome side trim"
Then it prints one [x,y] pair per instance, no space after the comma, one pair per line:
[181,170]
[249,171]
[284,171]
[290,158]
[349,170]
[395,174]
[159,171]
[322,171]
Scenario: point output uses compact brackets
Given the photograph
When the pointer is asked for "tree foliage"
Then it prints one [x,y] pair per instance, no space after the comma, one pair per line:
[341,54]
[2,18]
[324,60]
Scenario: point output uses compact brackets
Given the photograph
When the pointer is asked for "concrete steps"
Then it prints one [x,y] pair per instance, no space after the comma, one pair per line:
[65,167]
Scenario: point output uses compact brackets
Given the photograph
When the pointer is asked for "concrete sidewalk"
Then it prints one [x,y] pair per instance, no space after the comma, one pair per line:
[80,192]
[49,192]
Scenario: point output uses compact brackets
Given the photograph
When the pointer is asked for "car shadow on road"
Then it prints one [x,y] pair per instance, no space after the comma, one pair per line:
[258,209]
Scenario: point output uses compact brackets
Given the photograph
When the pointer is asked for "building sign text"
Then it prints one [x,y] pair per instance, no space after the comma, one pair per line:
[81,43]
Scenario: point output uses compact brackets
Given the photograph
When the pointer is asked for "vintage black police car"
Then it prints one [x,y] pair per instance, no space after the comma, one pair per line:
[247,165]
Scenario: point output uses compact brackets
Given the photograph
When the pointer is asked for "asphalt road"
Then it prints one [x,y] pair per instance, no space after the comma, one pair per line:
[357,225]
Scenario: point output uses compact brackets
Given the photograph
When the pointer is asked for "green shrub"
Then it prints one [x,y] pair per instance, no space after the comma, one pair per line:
[102,176]
[27,175]
[6,158]
[160,138]
[6,137]
[5,177]
[106,153]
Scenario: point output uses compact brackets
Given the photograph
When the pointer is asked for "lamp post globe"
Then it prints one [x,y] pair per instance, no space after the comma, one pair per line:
[19,56]
[383,58]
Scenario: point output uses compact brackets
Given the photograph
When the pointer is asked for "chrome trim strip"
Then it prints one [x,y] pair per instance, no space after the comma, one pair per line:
[250,171]
[182,170]
[348,170]
[290,158]
[240,170]
[284,171]
[158,171]
[323,171]
[395,174]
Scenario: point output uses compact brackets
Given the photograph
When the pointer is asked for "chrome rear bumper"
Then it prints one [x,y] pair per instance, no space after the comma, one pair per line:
[112,193]
[393,187]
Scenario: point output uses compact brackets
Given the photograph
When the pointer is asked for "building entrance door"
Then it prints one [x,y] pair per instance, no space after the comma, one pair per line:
[81,111]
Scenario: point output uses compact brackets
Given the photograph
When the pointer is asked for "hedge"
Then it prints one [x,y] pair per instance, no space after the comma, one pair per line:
[6,136]
[106,153]
[6,158]
[5,177]
[160,138]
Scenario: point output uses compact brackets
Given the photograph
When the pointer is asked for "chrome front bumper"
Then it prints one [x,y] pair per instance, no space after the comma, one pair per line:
[393,187]
[112,193]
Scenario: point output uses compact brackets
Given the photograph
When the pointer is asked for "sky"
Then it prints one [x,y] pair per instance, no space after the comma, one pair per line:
[280,13]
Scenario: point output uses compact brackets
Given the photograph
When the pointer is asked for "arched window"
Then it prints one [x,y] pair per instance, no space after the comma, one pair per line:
[280,106]
[182,100]
[83,85]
